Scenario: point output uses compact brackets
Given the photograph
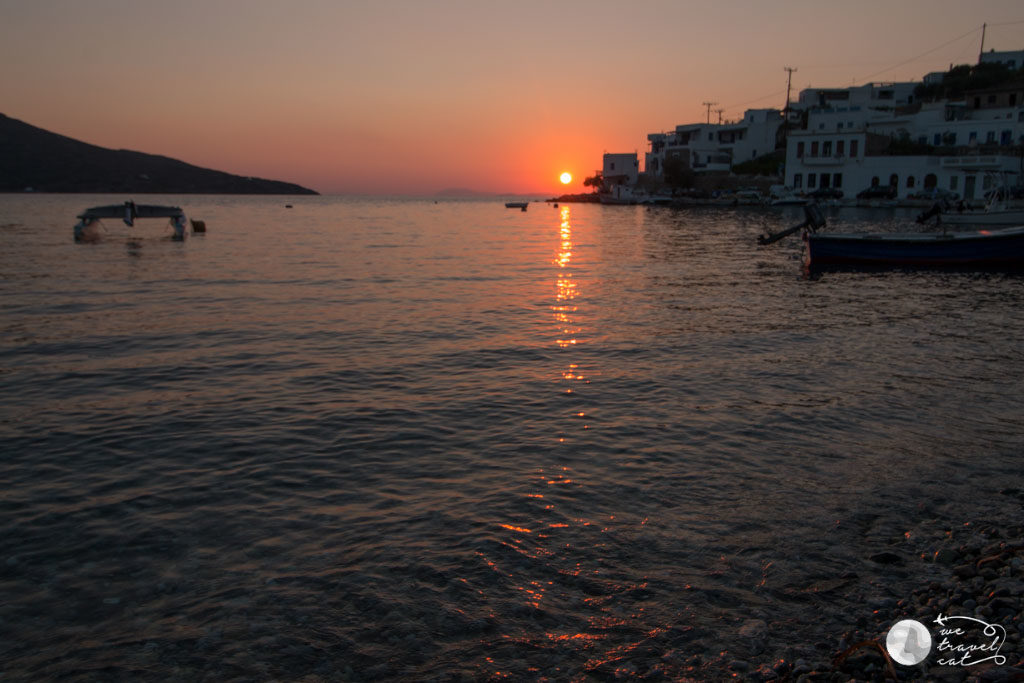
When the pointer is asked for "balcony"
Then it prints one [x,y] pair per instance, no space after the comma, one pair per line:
[835,160]
[973,162]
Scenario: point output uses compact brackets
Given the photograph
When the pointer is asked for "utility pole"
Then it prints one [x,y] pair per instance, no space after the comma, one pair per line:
[719,112]
[709,105]
[789,81]
[982,42]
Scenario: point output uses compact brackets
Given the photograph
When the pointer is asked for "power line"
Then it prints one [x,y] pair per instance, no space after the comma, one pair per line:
[914,59]
[789,80]
[759,99]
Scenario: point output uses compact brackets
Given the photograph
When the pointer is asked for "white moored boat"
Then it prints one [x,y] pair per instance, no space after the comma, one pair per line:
[89,221]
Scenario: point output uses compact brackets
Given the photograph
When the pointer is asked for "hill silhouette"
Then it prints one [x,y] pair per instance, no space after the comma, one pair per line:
[36,159]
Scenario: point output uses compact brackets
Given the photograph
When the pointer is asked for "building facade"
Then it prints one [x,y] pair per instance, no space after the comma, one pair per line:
[913,149]
[620,169]
[708,147]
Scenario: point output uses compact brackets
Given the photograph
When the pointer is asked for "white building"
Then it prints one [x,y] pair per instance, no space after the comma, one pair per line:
[620,169]
[704,147]
[871,95]
[1014,59]
[959,146]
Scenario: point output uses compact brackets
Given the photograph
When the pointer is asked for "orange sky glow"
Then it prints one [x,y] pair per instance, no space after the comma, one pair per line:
[402,96]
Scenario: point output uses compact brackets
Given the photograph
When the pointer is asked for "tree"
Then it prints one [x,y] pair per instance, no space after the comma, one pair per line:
[678,174]
[596,181]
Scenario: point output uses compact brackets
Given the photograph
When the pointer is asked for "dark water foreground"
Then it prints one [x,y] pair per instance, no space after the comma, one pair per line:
[377,440]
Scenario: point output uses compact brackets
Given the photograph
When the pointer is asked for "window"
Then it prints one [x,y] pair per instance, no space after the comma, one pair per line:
[938,139]
[611,166]
[972,138]
[853,148]
[810,180]
[799,150]
[825,178]
[930,181]
[953,182]
[837,180]
[990,137]
[840,147]
[1020,116]
[1013,99]
[977,103]
[840,125]
[910,182]
[894,180]
[826,148]
[711,136]
[814,150]
[991,99]
[798,180]
[986,182]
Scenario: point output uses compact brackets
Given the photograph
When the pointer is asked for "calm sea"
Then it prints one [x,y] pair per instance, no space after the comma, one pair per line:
[377,439]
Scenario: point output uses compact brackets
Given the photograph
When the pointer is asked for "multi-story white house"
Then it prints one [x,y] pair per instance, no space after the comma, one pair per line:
[704,147]
[620,169]
[1013,58]
[851,147]
[870,95]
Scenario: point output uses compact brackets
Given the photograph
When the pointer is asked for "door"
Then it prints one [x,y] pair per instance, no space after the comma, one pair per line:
[969,183]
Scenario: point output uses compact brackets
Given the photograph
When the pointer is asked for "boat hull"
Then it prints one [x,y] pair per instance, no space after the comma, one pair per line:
[980,249]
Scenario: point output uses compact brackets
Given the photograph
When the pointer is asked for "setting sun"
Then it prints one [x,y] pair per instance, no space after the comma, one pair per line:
[566,178]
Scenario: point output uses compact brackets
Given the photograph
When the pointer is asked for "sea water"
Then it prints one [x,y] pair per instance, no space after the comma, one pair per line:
[377,439]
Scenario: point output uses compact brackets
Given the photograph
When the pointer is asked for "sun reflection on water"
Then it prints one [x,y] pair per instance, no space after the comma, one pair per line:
[565,287]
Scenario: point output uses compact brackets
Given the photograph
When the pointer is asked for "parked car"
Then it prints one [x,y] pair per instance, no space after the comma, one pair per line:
[827,193]
[878,192]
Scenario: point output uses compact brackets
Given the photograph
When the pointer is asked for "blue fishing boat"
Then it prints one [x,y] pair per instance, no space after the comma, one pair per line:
[972,249]
[977,249]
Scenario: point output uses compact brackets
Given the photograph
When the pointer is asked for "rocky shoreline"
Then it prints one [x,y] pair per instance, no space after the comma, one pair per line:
[976,578]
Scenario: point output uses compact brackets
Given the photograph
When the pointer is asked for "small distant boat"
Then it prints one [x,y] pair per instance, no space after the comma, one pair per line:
[612,200]
[517,205]
[971,249]
[780,195]
[87,228]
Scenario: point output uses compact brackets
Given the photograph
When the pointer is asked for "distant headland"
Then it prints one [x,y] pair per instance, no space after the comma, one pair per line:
[33,159]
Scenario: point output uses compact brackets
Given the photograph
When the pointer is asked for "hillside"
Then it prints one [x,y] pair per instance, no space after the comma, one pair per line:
[34,158]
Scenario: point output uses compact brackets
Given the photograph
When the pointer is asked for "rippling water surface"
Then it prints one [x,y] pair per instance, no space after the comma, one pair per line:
[399,439]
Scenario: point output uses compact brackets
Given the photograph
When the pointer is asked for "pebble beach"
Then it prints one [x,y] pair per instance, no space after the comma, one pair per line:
[975,570]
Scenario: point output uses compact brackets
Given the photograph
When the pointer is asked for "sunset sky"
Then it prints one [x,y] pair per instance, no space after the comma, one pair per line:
[406,96]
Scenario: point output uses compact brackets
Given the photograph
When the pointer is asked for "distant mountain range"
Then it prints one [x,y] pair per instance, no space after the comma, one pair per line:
[35,159]
[466,193]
